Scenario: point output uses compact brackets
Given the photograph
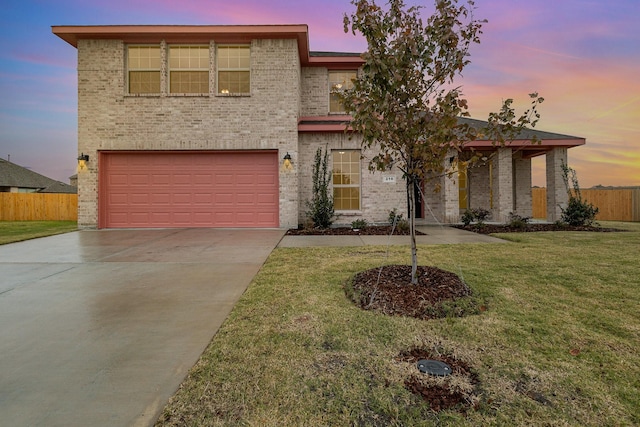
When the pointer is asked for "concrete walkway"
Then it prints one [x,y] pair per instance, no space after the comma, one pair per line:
[99,328]
[434,235]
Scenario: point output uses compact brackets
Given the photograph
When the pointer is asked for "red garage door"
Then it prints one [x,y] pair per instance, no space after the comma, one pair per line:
[188,189]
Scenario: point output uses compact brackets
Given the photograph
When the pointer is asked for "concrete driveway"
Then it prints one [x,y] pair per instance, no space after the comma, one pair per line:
[99,328]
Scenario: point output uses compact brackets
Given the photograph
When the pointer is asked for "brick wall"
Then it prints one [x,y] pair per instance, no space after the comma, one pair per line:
[109,119]
[315,91]
[377,197]
[502,185]
[479,190]
[522,193]
[557,197]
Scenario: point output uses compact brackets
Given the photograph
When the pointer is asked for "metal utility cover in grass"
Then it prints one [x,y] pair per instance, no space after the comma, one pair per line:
[434,367]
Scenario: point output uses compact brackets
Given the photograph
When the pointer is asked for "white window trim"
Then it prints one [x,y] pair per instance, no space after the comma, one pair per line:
[218,69]
[330,89]
[359,185]
[128,69]
[169,69]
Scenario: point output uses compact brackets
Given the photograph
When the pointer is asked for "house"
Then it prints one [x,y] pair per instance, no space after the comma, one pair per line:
[218,126]
[17,179]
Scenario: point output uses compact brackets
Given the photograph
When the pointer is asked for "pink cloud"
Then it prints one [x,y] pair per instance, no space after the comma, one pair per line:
[40,58]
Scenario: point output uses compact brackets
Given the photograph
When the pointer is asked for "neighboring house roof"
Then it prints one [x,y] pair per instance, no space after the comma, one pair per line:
[12,175]
[60,187]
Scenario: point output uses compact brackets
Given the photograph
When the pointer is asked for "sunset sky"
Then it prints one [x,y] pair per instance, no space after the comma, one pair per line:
[582,56]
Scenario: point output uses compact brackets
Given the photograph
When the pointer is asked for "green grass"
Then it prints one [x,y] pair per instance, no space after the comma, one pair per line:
[562,322]
[16,231]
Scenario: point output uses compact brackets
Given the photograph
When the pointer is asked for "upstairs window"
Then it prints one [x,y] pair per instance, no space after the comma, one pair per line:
[234,65]
[346,180]
[143,65]
[188,69]
[338,81]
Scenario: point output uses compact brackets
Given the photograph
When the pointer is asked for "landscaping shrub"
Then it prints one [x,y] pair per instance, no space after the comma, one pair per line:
[479,215]
[394,216]
[320,208]
[578,212]
[359,224]
[518,221]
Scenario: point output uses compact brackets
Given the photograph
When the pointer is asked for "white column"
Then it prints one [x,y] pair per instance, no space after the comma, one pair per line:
[450,191]
[522,186]
[557,197]
[503,185]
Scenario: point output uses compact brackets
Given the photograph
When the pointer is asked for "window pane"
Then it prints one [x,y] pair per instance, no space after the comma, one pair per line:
[144,57]
[233,82]
[189,69]
[144,81]
[339,80]
[143,64]
[189,82]
[234,63]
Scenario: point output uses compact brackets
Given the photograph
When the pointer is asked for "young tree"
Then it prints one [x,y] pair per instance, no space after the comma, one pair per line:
[404,101]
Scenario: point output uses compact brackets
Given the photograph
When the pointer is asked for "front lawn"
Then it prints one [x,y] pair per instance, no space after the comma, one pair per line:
[556,343]
[16,231]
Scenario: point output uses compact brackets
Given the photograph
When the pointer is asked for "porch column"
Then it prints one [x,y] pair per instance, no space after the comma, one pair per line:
[503,185]
[522,186]
[556,191]
[451,192]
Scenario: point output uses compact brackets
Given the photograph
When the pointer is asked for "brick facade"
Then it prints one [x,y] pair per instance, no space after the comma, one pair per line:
[557,197]
[378,198]
[110,119]
[288,87]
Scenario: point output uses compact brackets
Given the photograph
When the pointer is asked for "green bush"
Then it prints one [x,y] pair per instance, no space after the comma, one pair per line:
[517,221]
[467,217]
[477,214]
[578,212]
[320,208]
[394,216]
[403,225]
[359,224]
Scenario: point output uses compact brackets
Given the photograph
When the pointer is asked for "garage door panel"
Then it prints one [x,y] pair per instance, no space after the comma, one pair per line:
[204,189]
[202,199]
[202,179]
[159,199]
[119,199]
[118,179]
[182,199]
[160,179]
[224,178]
[138,179]
[182,179]
[141,199]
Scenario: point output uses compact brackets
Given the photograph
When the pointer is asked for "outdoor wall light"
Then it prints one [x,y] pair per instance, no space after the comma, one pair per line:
[82,161]
[287,165]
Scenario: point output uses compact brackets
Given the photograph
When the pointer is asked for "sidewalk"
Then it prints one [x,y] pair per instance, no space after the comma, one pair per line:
[434,235]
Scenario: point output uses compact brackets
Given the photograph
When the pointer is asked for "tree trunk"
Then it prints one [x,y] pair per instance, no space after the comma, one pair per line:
[411,194]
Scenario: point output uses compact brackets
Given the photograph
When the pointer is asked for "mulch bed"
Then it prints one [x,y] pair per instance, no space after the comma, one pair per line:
[388,290]
[502,228]
[377,230]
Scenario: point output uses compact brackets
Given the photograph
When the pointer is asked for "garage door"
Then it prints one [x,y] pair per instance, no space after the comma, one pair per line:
[188,189]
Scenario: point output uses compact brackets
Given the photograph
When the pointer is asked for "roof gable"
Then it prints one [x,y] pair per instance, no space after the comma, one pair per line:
[204,33]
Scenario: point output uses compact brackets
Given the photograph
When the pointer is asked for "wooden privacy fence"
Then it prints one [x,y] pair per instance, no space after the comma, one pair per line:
[38,207]
[615,204]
